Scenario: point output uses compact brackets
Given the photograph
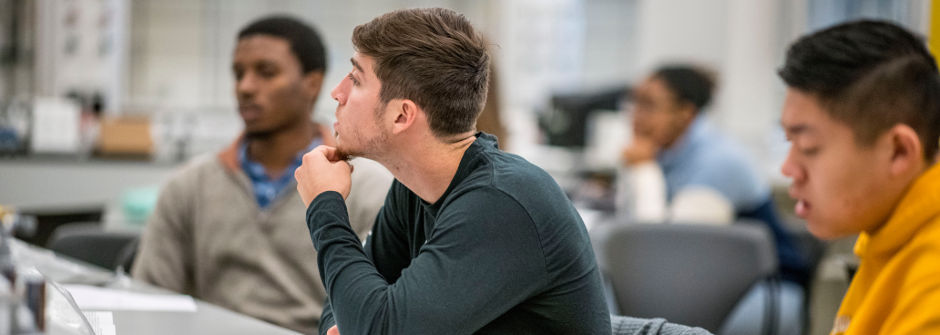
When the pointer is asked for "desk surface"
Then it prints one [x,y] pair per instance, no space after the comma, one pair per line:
[208,319]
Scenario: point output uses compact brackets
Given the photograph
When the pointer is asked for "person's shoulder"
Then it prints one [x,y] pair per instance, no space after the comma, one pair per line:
[508,177]
[720,148]
[509,172]
[724,156]
[725,166]
[920,256]
[203,161]
[194,171]
[921,266]
[926,242]
[501,175]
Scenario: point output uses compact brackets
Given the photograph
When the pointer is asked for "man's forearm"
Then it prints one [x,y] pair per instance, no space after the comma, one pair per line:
[326,319]
[342,261]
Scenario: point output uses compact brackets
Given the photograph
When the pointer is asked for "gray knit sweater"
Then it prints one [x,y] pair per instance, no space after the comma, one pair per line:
[209,238]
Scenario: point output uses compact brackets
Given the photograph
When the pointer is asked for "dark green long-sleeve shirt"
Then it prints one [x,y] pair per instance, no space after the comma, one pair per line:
[502,251]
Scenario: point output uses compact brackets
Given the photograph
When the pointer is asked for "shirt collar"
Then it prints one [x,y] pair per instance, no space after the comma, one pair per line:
[917,207]
[685,144]
[257,171]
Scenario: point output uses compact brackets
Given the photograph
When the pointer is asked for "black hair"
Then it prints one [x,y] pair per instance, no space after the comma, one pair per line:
[827,62]
[871,75]
[689,84]
[304,40]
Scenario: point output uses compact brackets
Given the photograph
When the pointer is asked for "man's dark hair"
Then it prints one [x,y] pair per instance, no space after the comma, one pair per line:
[689,84]
[872,75]
[432,57]
[304,40]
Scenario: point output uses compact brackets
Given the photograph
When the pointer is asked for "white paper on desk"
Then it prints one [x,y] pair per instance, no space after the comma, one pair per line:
[98,298]
[101,322]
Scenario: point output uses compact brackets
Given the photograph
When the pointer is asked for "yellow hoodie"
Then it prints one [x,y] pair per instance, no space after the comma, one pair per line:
[897,287]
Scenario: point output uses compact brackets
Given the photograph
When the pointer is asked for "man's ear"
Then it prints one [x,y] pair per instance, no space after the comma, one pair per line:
[906,150]
[313,82]
[404,114]
[688,111]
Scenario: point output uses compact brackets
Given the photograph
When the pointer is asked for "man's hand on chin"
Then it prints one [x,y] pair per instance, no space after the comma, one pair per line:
[641,149]
[323,170]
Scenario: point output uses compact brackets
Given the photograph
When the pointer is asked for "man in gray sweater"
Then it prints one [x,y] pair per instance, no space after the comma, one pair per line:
[228,228]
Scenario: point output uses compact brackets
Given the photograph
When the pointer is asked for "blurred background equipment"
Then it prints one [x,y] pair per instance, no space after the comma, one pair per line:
[90,243]
[566,122]
[15,119]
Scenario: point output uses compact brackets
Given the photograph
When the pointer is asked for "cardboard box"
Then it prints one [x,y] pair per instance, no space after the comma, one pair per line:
[125,136]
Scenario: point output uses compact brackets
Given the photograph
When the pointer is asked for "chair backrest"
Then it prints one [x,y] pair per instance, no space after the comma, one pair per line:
[89,243]
[125,258]
[687,274]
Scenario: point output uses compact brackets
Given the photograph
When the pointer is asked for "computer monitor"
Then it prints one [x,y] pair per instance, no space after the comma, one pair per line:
[565,123]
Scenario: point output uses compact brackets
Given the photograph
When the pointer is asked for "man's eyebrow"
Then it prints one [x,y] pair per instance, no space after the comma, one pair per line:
[356,64]
[797,129]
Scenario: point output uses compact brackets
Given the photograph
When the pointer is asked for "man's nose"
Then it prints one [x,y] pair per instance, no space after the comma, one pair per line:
[246,86]
[791,169]
[339,92]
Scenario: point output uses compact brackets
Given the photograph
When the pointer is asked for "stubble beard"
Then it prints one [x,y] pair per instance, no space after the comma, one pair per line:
[370,148]
[341,153]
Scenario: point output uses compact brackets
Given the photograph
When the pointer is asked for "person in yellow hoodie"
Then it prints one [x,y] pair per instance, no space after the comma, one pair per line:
[862,112]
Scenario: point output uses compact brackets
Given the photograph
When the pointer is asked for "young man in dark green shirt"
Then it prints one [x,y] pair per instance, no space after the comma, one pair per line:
[471,239]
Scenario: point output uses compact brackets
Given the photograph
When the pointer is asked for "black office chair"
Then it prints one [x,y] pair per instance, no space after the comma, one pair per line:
[128,254]
[88,242]
[694,275]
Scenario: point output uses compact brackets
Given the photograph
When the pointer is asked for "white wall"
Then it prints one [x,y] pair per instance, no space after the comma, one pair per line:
[181,50]
[181,53]
[80,48]
[681,30]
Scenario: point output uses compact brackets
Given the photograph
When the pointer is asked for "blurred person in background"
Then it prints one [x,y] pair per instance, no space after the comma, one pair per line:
[227,228]
[679,168]
[862,114]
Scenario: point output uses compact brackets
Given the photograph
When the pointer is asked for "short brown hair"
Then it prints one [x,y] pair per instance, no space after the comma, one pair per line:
[432,57]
